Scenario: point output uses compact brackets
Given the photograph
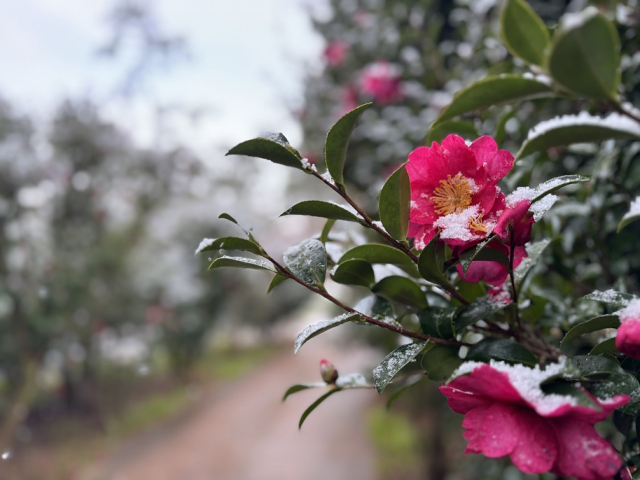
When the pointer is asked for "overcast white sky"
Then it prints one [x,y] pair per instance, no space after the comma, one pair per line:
[247,61]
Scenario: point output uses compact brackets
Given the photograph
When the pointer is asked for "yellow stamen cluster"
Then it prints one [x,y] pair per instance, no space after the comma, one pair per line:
[477,225]
[452,196]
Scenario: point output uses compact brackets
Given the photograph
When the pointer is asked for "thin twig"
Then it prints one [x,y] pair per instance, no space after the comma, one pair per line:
[373,321]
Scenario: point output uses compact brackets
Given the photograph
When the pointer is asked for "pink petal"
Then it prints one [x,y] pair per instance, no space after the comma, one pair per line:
[537,449]
[461,401]
[473,424]
[628,338]
[582,452]
[485,197]
[493,273]
[496,162]
[500,430]
[518,218]
[455,157]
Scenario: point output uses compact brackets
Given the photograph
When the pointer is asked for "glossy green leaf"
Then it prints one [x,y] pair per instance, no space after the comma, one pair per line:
[585,55]
[317,208]
[582,128]
[298,388]
[354,272]
[376,307]
[498,90]
[277,280]
[502,125]
[480,253]
[610,297]
[633,407]
[273,148]
[523,32]
[614,384]
[326,230]
[394,204]
[463,128]
[631,216]
[477,310]
[394,362]
[440,361]
[589,365]
[402,290]
[534,250]
[229,243]
[591,325]
[240,262]
[335,147]
[313,406]
[321,327]
[379,253]
[307,261]
[505,350]
[607,346]
[437,322]
[431,262]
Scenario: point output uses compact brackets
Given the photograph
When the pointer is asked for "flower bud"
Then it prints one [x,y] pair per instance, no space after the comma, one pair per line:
[628,337]
[328,371]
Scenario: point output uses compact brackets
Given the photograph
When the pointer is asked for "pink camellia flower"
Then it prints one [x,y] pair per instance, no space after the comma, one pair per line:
[507,413]
[335,53]
[628,337]
[493,273]
[453,188]
[382,82]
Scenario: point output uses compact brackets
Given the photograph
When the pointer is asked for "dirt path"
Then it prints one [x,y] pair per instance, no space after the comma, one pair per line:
[244,432]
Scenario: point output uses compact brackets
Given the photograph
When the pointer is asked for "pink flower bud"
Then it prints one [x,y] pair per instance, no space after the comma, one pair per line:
[328,371]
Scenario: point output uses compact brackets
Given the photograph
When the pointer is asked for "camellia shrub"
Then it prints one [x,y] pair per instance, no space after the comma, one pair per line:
[530,375]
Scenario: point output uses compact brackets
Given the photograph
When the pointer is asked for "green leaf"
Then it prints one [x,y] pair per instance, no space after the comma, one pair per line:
[226,216]
[297,388]
[554,184]
[321,327]
[440,361]
[240,262]
[585,55]
[463,128]
[582,128]
[534,250]
[498,90]
[307,261]
[354,272]
[610,297]
[477,310]
[502,125]
[431,262]
[376,307]
[277,280]
[481,254]
[438,322]
[402,290]
[335,147]
[394,204]
[614,384]
[313,406]
[608,345]
[229,243]
[273,148]
[324,236]
[589,365]
[505,350]
[394,362]
[523,32]
[352,380]
[317,208]
[591,325]
[631,216]
[379,253]
[633,407]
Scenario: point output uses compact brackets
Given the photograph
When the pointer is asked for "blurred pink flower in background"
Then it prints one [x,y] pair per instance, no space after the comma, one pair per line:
[628,337]
[335,53]
[382,82]
[507,413]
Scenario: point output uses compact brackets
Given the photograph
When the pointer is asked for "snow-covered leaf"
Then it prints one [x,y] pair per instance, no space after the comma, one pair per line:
[581,128]
[437,321]
[394,362]
[534,250]
[229,243]
[240,262]
[611,297]
[632,215]
[320,327]
[307,261]
[477,310]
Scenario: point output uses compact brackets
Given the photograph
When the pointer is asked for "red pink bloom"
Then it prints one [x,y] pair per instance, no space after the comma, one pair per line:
[507,413]
[628,337]
[381,82]
[335,53]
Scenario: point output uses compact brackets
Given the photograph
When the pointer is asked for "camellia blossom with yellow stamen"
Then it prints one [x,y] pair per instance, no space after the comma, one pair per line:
[453,189]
